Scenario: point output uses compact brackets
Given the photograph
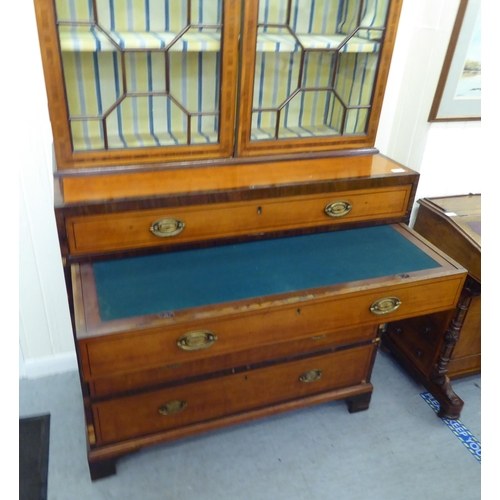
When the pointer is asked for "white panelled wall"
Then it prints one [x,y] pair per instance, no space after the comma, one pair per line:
[447,153]
[443,154]
[45,337]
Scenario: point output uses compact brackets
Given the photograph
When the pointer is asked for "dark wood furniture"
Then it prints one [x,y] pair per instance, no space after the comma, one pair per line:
[452,224]
[164,355]
[294,223]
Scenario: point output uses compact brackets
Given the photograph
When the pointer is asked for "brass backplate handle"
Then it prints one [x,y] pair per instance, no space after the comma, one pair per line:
[196,340]
[172,407]
[311,376]
[169,226]
[385,305]
[338,208]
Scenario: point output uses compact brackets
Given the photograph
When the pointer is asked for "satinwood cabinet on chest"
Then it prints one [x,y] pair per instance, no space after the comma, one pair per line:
[232,240]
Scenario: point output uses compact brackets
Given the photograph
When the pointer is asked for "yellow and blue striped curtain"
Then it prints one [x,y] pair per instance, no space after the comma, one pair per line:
[324,16]
[141,15]
[94,74]
[321,23]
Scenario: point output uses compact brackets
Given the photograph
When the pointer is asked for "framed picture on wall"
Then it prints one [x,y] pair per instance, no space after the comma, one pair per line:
[458,94]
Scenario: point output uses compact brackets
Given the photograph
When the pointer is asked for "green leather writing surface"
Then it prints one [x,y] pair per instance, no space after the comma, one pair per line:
[180,280]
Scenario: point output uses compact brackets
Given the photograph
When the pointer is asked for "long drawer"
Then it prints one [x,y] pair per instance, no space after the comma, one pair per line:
[141,349]
[133,416]
[345,310]
[159,227]
[105,386]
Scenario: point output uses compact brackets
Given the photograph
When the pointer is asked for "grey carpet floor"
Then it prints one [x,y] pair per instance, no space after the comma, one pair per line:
[397,450]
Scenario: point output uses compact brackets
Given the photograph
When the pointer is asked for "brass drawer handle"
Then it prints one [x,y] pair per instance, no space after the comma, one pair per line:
[194,341]
[167,227]
[311,376]
[172,407]
[385,305]
[338,208]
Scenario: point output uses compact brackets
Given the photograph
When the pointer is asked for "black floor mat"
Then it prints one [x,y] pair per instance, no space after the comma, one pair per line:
[34,435]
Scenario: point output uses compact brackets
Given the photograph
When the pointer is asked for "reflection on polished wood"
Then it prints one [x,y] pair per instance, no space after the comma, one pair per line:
[159,179]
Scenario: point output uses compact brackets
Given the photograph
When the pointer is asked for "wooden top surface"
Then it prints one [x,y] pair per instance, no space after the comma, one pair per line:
[463,204]
[464,212]
[226,176]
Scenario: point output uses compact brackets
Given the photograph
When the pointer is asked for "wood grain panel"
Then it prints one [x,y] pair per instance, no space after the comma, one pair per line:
[101,387]
[132,229]
[143,349]
[469,343]
[133,416]
[199,177]
[464,367]
[440,233]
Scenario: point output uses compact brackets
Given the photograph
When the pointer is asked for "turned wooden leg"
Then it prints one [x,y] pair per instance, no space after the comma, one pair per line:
[359,403]
[102,468]
[435,379]
[450,404]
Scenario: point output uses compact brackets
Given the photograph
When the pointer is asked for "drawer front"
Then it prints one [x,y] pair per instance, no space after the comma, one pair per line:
[159,227]
[470,365]
[112,385]
[171,408]
[147,349]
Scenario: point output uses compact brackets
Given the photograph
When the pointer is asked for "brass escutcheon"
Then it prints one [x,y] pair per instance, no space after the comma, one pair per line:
[196,340]
[311,376]
[166,227]
[385,305]
[172,407]
[338,208]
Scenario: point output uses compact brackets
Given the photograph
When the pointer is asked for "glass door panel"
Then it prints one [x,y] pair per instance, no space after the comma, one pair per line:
[315,67]
[141,73]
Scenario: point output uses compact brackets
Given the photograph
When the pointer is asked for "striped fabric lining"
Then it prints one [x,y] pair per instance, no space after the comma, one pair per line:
[273,42]
[293,132]
[318,24]
[83,39]
[93,77]
[93,71]
[94,84]
[276,79]
[325,16]
[141,15]
[91,138]
[91,39]
[190,41]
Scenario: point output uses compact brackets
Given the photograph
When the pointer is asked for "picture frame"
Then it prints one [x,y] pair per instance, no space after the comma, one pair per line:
[458,93]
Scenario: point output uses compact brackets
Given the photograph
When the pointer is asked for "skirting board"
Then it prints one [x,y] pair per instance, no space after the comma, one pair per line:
[50,365]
